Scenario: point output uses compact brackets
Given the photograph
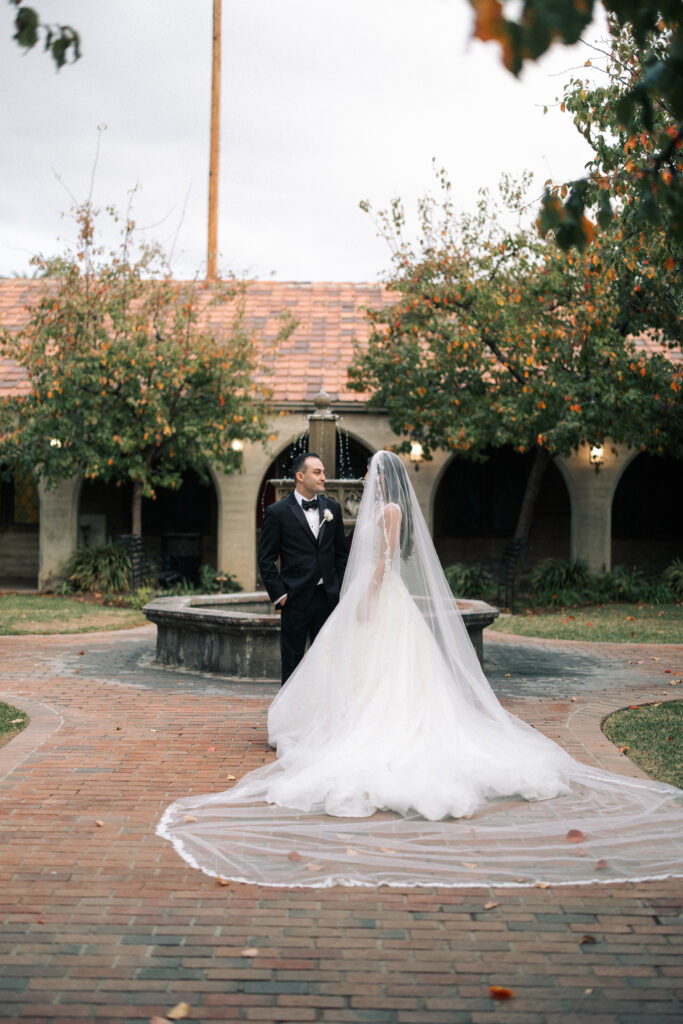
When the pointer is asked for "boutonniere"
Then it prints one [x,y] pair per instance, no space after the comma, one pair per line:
[327,516]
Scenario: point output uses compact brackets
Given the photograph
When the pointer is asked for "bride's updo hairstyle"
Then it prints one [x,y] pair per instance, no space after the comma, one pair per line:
[393,489]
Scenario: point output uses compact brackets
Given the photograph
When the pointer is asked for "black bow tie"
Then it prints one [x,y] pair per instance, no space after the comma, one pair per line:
[309,504]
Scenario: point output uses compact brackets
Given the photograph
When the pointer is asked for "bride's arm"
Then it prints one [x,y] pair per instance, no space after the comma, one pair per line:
[390,524]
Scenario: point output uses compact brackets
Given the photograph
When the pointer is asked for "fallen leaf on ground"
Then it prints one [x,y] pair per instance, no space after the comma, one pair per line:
[575,835]
[189,817]
[655,659]
[16,721]
[586,939]
[80,653]
[600,865]
[231,778]
[490,905]
[100,824]
[294,856]
[468,863]
[674,682]
[222,881]
[179,1012]
[588,991]
[350,852]
[542,885]
[385,849]
[313,867]
[572,698]
[249,952]
[622,750]
[500,992]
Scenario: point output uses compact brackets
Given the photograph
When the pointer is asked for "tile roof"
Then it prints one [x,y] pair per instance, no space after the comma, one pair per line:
[329,317]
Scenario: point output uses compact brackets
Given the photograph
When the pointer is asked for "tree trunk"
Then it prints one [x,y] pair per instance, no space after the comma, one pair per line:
[515,549]
[136,509]
[525,519]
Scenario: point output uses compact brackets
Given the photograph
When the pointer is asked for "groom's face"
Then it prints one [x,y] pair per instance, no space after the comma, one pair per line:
[311,479]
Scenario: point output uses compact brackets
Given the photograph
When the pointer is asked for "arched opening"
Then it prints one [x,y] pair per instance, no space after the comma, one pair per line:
[646,513]
[19,531]
[179,527]
[351,455]
[477,505]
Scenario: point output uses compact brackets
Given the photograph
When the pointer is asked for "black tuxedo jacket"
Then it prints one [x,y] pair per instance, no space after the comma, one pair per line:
[303,559]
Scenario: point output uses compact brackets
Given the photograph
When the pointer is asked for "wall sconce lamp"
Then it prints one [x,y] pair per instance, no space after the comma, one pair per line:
[55,442]
[237,445]
[416,454]
[597,456]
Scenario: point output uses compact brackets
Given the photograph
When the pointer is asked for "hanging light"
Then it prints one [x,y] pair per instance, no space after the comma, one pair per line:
[597,456]
[55,442]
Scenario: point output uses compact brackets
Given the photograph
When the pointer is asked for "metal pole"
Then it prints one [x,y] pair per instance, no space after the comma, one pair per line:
[212,250]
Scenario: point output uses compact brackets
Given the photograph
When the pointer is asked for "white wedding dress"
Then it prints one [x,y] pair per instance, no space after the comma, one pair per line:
[390,724]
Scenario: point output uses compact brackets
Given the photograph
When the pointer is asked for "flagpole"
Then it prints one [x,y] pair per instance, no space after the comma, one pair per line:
[212,248]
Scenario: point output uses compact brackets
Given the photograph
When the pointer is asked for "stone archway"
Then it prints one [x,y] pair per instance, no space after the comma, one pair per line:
[477,503]
[19,530]
[352,456]
[646,513]
[179,526]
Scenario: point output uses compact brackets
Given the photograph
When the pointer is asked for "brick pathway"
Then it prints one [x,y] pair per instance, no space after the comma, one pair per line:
[101,921]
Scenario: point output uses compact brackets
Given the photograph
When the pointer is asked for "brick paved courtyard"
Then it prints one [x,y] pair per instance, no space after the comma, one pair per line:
[101,921]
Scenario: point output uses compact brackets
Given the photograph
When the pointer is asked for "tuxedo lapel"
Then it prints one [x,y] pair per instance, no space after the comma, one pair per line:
[300,517]
[322,506]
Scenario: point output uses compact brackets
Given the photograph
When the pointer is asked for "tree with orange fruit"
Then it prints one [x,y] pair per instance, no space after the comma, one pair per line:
[123,384]
[500,337]
[631,113]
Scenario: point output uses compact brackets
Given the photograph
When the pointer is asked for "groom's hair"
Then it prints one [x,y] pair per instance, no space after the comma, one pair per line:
[300,462]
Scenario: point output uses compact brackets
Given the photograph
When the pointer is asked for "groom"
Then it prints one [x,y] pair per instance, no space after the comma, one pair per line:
[305,531]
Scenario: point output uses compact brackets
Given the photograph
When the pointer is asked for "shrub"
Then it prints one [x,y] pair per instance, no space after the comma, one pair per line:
[469,580]
[673,577]
[104,568]
[213,582]
[556,574]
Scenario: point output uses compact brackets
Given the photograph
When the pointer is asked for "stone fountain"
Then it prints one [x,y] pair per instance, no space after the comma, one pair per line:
[237,636]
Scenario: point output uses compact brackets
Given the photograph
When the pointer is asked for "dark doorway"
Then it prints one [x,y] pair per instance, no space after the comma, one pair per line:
[19,531]
[477,505]
[180,524]
[646,513]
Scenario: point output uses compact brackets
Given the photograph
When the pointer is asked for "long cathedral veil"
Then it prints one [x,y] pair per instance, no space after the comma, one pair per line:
[483,798]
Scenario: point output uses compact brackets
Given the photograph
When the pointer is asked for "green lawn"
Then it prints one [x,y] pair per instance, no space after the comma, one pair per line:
[652,736]
[12,721]
[613,623]
[31,613]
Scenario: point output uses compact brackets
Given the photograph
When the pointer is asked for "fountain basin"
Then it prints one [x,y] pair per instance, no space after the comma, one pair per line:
[238,635]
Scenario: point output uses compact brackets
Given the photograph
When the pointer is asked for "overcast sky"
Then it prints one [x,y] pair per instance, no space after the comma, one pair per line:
[323,104]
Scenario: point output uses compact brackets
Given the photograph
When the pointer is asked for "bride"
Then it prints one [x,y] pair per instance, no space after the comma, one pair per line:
[390,723]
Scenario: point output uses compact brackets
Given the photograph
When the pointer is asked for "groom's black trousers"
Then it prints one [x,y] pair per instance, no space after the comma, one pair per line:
[299,624]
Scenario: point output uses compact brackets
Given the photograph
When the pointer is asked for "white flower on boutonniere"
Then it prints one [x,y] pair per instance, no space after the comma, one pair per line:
[327,516]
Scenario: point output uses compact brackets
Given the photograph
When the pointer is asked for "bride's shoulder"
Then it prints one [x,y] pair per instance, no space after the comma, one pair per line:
[391,512]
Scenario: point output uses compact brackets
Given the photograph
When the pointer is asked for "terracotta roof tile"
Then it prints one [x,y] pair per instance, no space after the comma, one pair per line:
[329,318]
